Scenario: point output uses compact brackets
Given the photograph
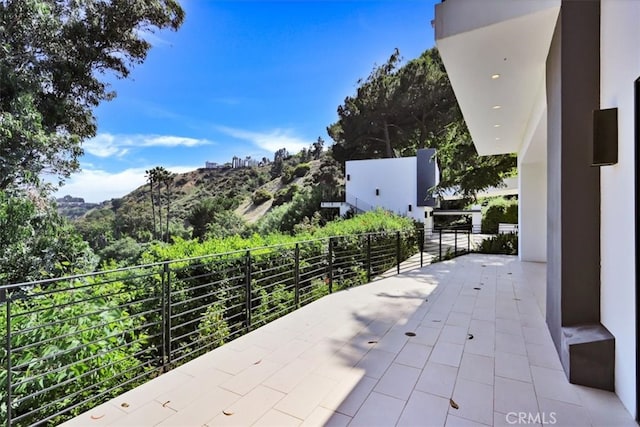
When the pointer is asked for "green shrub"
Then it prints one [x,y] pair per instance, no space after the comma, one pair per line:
[505,244]
[285,195]
[260,196]
[498,211]
[69,346]
[302,169]
[287,174]
[213,329]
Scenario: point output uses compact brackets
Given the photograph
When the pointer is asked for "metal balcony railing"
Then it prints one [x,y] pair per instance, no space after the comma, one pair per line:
[72,343]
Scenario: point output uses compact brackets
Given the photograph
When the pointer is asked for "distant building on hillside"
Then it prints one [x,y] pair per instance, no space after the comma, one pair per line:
[237,162]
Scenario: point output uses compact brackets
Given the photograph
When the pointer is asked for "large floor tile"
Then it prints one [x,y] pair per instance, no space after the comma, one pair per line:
[378,410]
[323,417]
[514,396]
[474,400]
[376,362]
[424,409]
[398,381]
[248,379]
[414,355]
[347,396]
[477,368]
[248,409]
[550,385]
[209,405]
[446,353]
[304,398]
[437,379]
[514,366]
[276,418]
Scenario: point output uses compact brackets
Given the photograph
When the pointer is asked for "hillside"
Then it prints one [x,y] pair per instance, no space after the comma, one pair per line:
[227,191]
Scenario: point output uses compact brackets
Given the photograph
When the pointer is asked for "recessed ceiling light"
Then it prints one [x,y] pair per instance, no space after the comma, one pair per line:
[498,139]
[497,107]
[496,126]
[495,76]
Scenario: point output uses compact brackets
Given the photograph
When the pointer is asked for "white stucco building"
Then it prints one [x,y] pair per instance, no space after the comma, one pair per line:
[400,185]
[529,75]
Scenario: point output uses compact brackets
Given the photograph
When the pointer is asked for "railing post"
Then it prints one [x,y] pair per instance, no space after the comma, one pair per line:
[469,241]
[398,251]
[8,396]
[455,241]
[296,275]
[247,284]
[440,245]
[368,257]
[166,316]
[330,275]
[421,246]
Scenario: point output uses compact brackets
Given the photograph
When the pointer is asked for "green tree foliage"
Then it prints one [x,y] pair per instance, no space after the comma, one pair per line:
[401,108]
[278,162]
[213,330]
[68,345]
[200,216]
[283,219]
[504,244]
[226,223]
[124,252]
[96,228]
[36,242]
[285,195]
[496,211]
[53,59]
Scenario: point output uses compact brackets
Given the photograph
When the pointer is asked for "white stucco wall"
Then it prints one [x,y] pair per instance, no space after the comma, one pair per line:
[395,178]
[532,212]
[620,67]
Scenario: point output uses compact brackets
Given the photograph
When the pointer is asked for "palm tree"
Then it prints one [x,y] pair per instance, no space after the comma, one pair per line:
[152,178]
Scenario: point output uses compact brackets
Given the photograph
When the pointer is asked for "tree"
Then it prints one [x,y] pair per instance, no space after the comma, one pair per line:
[317,148]
[200,216]
[54,56]
[160,177]
[152,178]
[370,119]
[37,243]
[399,109]
[278,162]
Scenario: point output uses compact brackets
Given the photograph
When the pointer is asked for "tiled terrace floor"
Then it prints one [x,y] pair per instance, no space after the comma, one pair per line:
[480,340]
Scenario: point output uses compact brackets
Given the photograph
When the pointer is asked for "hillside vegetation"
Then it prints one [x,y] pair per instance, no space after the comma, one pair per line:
[215,203]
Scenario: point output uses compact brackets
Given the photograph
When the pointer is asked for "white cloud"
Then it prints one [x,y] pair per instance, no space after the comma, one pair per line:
[270,141]
[95,185]
[151,37]
[109,145]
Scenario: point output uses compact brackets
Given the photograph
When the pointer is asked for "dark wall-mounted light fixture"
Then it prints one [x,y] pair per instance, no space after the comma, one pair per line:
[348,177]
[377,191]
[605,137]
[410,208]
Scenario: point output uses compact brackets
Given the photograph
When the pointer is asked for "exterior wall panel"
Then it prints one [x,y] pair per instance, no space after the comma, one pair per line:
[620,67]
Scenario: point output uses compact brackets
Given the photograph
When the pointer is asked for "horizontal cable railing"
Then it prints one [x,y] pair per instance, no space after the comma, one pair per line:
[72,343]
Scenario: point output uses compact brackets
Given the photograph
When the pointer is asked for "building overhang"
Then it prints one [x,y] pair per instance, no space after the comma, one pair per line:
[495,54]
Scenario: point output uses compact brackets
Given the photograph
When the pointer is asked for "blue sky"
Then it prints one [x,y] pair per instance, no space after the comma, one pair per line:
[242,78]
